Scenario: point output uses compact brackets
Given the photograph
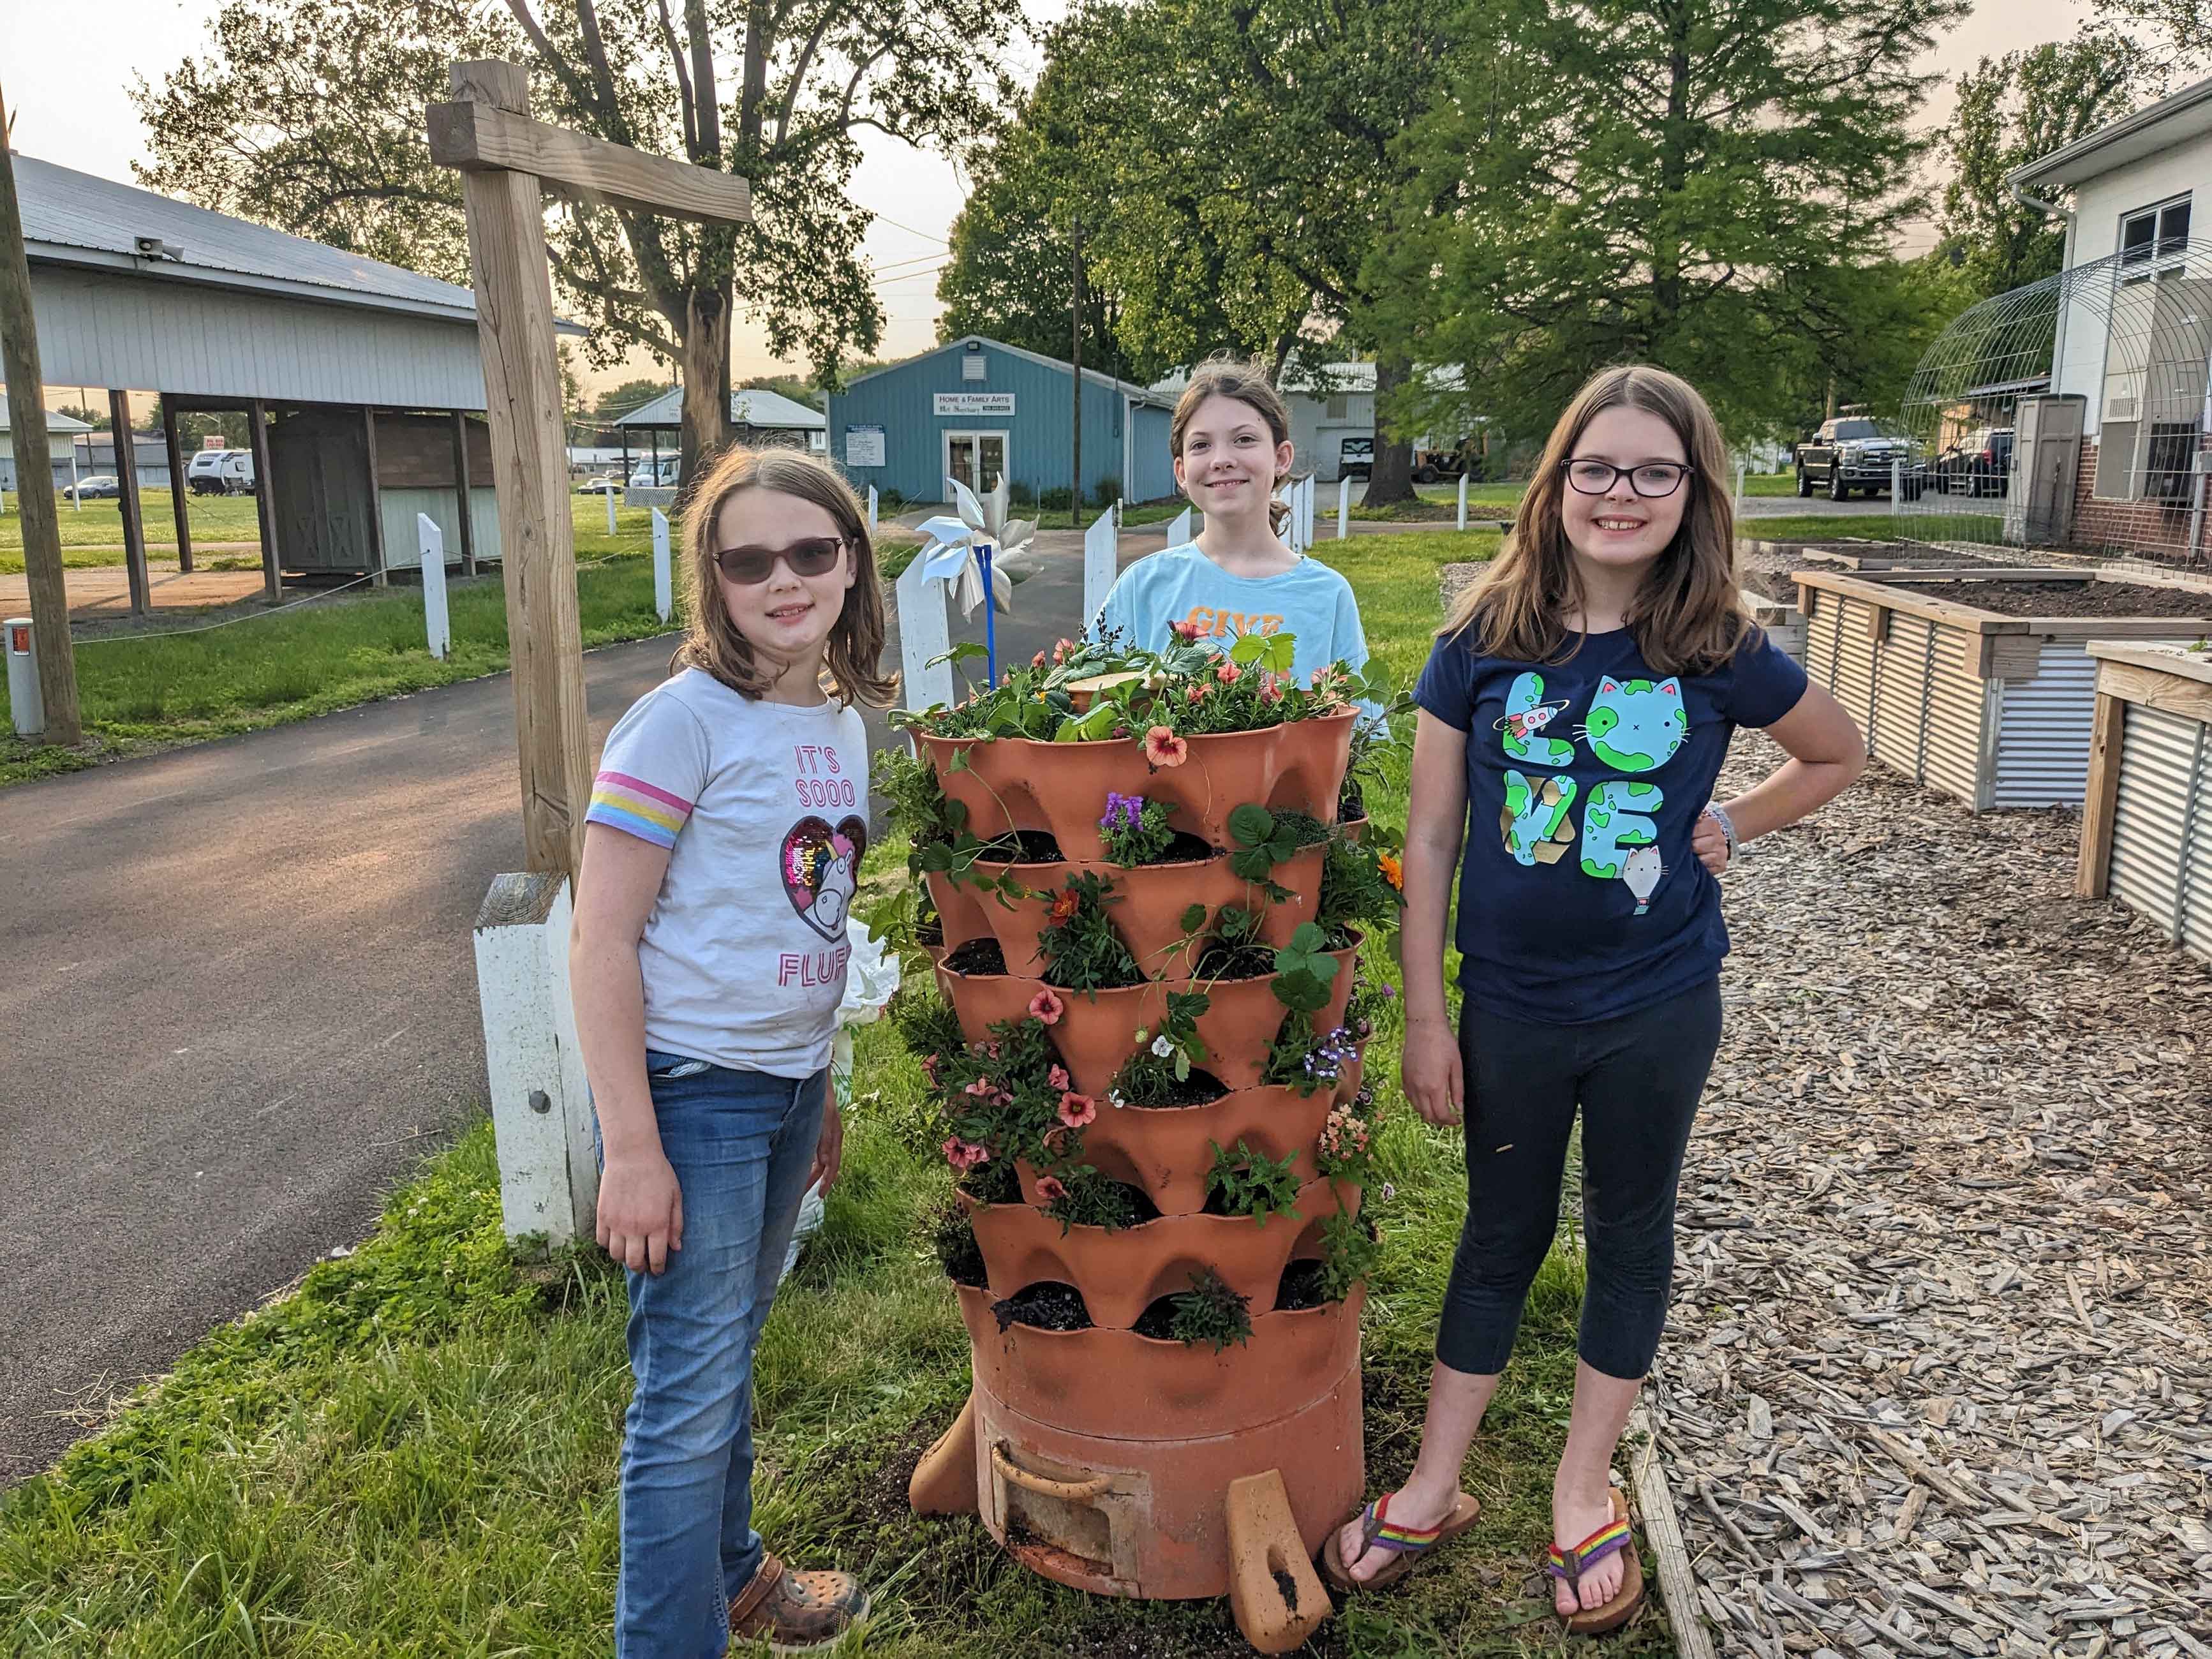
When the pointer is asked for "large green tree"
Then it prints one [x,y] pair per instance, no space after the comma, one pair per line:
[2011,109]
[309,114]
[1697,184]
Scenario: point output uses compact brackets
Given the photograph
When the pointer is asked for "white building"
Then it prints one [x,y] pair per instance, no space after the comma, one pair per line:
[61,432]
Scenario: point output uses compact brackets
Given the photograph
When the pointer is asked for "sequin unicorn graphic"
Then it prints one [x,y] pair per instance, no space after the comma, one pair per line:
[821,872]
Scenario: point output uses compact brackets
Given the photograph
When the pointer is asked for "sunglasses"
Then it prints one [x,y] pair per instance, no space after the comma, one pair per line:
[749,566]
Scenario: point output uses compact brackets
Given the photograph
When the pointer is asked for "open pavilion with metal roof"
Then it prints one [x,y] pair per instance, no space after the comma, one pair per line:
[356,375]
[758,417]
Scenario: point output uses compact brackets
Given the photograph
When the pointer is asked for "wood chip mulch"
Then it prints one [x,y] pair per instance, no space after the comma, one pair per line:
[1942,1345]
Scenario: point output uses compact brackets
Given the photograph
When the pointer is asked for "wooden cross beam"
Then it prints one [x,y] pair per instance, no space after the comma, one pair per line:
[505,158]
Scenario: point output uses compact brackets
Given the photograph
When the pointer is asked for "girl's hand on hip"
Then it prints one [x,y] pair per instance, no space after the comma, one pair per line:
[1709,843]
[641,1211]
[829,1150]
[1430,1071]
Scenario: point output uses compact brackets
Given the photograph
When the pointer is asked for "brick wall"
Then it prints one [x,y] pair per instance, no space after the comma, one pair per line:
[2128,526]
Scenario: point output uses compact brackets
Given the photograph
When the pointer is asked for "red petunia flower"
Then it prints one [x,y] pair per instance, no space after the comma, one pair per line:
[1076,1110]
[1059,1079]
[1051,1188]
[1047,1007]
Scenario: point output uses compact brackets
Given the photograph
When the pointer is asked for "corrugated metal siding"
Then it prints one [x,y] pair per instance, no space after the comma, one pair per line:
[1040,432]
[2162,777]
[1155,465]
[99,331]
[1956,699]
[1855,663]
[2043,732]
[1900,714]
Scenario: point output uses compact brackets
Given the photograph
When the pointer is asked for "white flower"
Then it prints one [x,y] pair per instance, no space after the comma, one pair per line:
[1388,1192]
[1162,1047]
[1113,1099]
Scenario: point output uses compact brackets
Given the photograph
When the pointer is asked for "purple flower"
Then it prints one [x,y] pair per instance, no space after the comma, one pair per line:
[1122,812]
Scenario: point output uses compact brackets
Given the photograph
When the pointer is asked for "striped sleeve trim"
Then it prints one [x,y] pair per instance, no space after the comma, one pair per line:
[637,808]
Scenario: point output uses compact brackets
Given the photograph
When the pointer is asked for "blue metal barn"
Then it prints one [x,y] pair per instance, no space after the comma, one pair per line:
[975,408]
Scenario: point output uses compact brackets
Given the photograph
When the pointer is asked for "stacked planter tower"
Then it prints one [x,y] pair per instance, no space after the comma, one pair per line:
[1195,1429]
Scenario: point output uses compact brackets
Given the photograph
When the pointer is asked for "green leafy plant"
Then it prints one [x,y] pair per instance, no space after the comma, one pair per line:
[1078,1197]
[1209,1312]
[1134,830]
[1301,1059]
[1246,1182]
[1235,952]
[1010,1097]
[1349,1251]
[1265,839]
[1360,890]
[952,1236]
[1166,1054]
[1304,970]
[1082,951]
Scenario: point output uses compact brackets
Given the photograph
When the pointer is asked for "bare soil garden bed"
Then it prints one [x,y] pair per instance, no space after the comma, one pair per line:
[2066,599]
[1941,1353]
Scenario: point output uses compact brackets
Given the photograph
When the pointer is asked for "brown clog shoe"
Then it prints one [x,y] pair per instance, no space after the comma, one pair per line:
[797,1612]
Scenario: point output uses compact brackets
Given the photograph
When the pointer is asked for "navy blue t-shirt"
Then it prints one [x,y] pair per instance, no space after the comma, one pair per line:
[1579,898]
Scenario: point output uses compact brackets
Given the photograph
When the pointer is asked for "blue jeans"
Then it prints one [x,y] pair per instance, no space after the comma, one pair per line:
[741,1143]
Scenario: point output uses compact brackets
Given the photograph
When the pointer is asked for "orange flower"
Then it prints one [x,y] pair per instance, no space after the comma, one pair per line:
[1065,904]
[1393,872]
[1164,748]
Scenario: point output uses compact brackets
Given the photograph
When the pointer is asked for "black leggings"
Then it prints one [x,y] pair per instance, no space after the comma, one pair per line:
[1638,1079]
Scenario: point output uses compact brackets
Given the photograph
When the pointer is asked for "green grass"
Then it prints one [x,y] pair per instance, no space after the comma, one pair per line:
[417,1454]
[93,534]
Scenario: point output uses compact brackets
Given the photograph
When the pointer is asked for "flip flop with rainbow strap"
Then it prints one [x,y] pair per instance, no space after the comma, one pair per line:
[1407,1545]
[1568,1565]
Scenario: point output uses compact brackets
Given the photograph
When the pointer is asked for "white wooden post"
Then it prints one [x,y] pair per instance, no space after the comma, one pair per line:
[1739,483]
[1101,546]
[1179,529]
[1462,501]
[1343,506]
[664,576]
[76,501]
[610,511]
[541,1108]
[1896,484]
[923,633]
[872,510]
[436,627]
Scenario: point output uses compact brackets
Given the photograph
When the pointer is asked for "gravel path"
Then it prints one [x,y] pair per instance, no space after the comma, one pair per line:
[1941,1349]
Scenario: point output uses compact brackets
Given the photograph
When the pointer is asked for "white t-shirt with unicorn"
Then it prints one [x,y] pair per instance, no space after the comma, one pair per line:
[764,809]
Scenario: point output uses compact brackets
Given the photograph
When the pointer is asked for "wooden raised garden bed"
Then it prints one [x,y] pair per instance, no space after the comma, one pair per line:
[1979,682]
[2147,824]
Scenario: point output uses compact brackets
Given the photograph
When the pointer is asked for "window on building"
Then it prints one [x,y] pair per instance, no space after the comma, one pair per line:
[2154,240]
[1339,406]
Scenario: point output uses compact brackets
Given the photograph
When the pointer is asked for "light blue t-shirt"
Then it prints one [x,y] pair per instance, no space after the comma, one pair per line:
[1308,601]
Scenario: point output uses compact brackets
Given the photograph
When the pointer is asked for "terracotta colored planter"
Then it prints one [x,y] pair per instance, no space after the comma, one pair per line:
[1098,1029]
[1121,1274]
[1169,1150]
[1020,783]
[1138,1507]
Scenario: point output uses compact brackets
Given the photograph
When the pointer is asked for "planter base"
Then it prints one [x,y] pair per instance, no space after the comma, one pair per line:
[943,1482]
[1265,1549]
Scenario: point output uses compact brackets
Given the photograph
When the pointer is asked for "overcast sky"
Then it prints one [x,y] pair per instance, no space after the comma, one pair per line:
[67,71]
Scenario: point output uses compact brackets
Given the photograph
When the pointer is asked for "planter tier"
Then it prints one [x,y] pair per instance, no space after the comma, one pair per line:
[1168,1151]
[1019,783]
[1122,1272]
[1143,1512]
[1147,908]
[1097,1032]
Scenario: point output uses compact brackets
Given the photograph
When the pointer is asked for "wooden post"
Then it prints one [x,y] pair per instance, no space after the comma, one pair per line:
[378,577]
[522,396]
[126,499]
[34,469]
[467,494]
[264,502]
[2092,876]
[176,491]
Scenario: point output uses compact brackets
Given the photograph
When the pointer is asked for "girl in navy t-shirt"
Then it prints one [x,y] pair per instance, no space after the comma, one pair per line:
[1574,716]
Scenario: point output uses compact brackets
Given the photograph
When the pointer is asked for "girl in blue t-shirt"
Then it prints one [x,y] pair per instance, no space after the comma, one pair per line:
[1574,716]
[1230,438]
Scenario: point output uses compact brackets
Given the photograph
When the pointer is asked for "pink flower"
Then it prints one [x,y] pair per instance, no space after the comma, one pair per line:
[1047,1007]
[964,1156]
[1164,748]
[1038,661]
[1271,692]
[1196,694]
[980,1088]
[1051,1188]
[1059,1079]
[929,1069]
[1063,651]
[1185,631]
[991,1050]
[1076,1110]
[1229,673]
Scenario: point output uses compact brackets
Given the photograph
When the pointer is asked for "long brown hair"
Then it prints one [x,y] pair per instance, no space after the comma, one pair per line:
[711,643]
[1229,377]
[1688,615]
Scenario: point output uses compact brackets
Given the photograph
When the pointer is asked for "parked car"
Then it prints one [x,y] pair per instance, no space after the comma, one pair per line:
[610,485]
[656,474]
[204,473]
[100,487]
[1355,458]
[1979,463]
[1852,452]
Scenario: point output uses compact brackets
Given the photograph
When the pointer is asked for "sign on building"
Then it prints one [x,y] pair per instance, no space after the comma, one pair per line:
[975,403]
[864,446]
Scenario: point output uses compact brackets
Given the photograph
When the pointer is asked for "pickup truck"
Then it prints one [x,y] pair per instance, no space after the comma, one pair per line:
[1852,452]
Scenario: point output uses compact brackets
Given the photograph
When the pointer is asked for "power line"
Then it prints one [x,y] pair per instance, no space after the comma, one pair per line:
[911,231]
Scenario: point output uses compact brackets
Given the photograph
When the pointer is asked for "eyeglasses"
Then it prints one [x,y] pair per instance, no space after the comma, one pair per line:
[1650,480]
[749,566]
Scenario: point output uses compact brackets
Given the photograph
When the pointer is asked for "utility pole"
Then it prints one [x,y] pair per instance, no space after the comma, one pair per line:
[1075,492]
[34,468]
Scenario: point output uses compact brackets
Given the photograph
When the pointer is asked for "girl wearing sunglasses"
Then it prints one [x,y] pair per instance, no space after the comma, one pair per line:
[721,850]
[1574,714]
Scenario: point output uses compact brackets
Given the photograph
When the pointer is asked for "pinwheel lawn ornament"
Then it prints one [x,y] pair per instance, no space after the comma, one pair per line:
[966,551]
